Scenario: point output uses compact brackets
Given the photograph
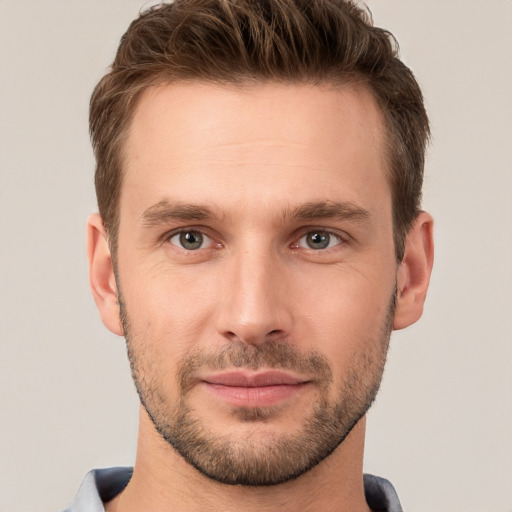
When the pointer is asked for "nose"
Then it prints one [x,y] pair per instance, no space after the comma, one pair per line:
[255,305]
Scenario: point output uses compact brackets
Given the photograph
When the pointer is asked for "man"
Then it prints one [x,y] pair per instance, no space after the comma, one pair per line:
[259,171]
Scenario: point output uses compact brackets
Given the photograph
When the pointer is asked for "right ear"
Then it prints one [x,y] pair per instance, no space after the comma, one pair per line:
[101,275]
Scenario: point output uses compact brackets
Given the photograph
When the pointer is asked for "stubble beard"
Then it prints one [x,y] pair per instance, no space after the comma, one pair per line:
[248,460]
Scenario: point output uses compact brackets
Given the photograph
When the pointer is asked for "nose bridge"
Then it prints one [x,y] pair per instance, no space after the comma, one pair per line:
[253,307]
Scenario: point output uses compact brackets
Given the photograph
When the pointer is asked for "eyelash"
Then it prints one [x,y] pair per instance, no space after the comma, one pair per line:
[340,239]
[178,233]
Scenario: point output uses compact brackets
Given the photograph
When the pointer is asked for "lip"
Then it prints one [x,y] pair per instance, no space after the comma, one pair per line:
[262,389]
[254,380]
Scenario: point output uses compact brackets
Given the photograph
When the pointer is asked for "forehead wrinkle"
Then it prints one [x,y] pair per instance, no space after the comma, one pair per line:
[166,210]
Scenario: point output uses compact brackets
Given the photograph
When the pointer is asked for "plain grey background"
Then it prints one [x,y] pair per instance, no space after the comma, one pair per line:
[442,426]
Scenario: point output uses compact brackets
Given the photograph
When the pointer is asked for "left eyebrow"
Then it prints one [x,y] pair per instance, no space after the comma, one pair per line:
[167,211]
[323,210]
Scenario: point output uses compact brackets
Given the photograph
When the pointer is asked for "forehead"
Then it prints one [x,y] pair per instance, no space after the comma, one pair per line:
[208,139]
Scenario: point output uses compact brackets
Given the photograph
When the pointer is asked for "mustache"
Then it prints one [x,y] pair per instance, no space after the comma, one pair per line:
[238,354]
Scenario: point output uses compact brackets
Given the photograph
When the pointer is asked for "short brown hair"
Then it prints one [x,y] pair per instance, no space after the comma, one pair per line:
[237,41]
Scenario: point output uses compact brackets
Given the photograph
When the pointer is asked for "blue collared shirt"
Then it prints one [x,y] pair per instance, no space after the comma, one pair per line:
[102,485]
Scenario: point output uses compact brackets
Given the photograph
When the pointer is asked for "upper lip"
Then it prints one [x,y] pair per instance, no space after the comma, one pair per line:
[253,380]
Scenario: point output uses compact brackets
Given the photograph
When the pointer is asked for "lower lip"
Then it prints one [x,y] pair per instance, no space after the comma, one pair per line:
[263,396]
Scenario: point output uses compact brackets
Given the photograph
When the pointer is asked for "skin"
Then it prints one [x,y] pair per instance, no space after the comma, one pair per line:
[254,156]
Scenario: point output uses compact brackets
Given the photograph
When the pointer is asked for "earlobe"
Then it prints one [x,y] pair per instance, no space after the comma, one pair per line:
[101,275]
[413,274]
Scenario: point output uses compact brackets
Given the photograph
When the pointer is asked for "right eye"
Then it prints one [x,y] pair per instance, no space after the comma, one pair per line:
[191,240]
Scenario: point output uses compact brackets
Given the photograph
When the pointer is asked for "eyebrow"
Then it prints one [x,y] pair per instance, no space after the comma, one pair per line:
[166,211]
[330,210]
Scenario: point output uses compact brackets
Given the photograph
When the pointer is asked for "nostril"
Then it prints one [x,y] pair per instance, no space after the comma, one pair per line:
[275,335]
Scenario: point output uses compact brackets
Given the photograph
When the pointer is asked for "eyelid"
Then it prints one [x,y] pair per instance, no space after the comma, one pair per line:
[341,236]
[166,238]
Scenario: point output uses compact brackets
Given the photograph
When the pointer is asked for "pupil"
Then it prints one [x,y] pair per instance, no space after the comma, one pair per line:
[318,240]
[191,240]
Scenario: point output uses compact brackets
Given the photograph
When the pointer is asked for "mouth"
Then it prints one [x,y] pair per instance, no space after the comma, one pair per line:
[263,389]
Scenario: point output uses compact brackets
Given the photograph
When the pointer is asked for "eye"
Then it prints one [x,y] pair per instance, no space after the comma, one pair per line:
[190,240]
[318,240]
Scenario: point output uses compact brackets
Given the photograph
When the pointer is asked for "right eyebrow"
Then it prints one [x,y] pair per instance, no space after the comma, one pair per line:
[166,211]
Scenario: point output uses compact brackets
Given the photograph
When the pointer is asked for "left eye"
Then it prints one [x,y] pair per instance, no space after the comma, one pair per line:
[318,240]
[190,240]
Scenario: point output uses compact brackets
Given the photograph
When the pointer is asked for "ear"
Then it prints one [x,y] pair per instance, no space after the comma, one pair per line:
[101,274]
[414,272]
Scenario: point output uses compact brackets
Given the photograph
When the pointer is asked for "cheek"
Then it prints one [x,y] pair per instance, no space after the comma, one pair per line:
[345,313]
[169,310]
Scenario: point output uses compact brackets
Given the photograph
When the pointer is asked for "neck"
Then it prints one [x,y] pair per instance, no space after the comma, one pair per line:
[162,480]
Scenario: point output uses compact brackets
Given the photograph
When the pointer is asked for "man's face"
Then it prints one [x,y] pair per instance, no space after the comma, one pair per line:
[256,271]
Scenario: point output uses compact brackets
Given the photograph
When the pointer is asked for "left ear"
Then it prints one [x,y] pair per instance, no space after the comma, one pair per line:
[414,272]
